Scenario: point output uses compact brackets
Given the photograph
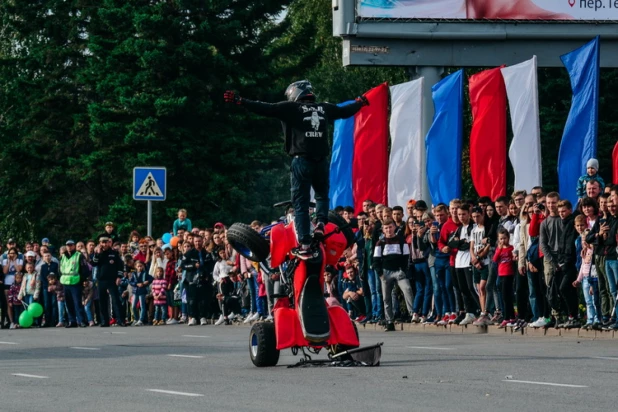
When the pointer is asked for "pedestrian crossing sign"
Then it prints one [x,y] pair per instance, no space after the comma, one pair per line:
[149,183]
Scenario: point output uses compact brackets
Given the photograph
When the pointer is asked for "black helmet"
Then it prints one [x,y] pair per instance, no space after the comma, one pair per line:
[300,90]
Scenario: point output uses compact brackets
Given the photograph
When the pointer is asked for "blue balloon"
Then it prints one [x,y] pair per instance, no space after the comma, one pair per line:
[166,237]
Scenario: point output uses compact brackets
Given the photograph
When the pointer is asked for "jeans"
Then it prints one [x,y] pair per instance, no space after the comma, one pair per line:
[437,297]
[445,286]
[593,302]
[160,312]
[494,296]
[75,309]
[88,309]
[262,306]
[305,174]
[252,293]
[536,294]
[388,279]
[375,286]
[62,312]
[143,308]
[424,289]
[611,270]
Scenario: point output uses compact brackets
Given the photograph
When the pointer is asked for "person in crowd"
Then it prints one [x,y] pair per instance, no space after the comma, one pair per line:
[143,254]
[419,252]
[479,258]
[353,294]
[30,287]
[171,278]
[330,285]
[566,272]
[228,299]
[159,294]
[447,230]
[48,266]
[443,278]
[504,258]
[133,242]
[589,280]
[550,232]
[14,302]
[140,280]
[593,189]
[609,240]
[109,232]
[592,172]
[463,269]
[182,223]
[57,289]
[11,265]
[111,273]
[390,260]
[87,300]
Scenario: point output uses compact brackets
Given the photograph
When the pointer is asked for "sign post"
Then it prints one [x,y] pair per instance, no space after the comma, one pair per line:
[150,184]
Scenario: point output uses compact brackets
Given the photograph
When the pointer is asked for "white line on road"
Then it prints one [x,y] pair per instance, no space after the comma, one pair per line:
[594,357]
[25,375]
[186,356]
[566,385]
[84,348]
[117,333]
[174,392]
[195,336]
[429,348]
[8,343]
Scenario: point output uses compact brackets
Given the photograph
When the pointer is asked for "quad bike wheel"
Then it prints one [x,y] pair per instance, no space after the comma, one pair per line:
[263,344]
[343,226]
[248,242]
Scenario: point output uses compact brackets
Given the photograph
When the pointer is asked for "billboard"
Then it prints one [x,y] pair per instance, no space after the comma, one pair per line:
[566,10]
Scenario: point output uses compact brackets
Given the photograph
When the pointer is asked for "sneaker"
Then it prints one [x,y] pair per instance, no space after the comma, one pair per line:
[389,327]
[572,324]
[596,326]
[444,320]
[460,317]
[13,326]
[483,320]
[269,318]
[183,319]
[254,317]
[512,323]
[232,316]
[504,324]
[303,252]
[415,318]
[220,320]
[422,319]
[539,323]
[91,323]
[60,325]
[468,319]
[429,321]
[203,321]
[247,318]
[138,323]
[318,230]
[192,322]
[361,319]
[452,318]
[520,325]
[172,322]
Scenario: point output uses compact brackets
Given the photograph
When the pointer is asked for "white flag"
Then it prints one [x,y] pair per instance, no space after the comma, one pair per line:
[525,151]
[407,176]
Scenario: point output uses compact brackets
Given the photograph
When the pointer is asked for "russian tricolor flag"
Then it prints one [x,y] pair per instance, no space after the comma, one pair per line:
[359,164]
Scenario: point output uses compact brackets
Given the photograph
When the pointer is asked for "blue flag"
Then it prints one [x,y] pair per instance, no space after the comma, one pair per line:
[340,192]
[579,140]
[444,140]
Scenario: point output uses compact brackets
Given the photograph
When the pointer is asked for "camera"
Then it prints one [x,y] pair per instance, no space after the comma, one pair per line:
[540,206]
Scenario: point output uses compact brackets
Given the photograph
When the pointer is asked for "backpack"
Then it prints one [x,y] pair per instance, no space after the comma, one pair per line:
[532,255]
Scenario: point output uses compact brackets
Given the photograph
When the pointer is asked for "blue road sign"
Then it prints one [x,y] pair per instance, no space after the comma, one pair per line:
[149,183]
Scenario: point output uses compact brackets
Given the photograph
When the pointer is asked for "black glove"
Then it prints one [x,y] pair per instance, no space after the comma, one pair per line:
[362,100]
[231,97]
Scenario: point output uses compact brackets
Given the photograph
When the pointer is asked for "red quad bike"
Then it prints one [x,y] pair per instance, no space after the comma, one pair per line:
[303,320]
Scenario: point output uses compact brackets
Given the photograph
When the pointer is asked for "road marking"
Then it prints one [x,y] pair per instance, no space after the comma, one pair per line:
[195,336]
[186,356]
[429,348]
[25,375]
[566,385]
[84,348]
[117,333]
[174,392]
[8,343]
[594,357]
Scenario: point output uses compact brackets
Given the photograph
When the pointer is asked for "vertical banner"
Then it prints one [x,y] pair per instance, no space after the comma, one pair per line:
[525,151]
[370,165]
[340,192]
[444,140]
[406,174]
[579,140]
[615,165]
[488,135]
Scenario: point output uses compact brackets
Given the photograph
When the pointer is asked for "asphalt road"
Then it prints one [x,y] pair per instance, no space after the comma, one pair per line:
[207,368]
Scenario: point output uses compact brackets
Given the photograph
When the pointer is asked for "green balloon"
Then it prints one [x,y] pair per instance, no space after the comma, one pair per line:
[35,309]
[25,319]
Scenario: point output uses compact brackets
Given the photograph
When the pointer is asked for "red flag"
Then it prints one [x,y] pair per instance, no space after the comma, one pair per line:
[615,164]
[370,164]
[488,136]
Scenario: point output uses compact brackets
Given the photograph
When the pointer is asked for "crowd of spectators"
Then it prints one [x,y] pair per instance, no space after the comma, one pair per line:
[522,261]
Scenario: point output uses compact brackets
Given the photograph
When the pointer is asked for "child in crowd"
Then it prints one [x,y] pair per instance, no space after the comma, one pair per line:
[15,305]
[592,172]
[262,304]
[589,280]
[30,287]
[504,258]
[159,294]
[353,294]
[134,242]
[171,277]
[182,223]
[140,280]
[87,295]
[55,287]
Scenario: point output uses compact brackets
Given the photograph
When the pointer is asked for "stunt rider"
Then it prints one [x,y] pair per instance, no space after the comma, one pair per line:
[305,130]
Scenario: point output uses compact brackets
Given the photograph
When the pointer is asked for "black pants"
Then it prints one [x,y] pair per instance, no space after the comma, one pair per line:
[568,292]
[523,296]
[464,283]
[359,306]
[108,288]
[3,307]
[229,305]
[305,174]
[506,288]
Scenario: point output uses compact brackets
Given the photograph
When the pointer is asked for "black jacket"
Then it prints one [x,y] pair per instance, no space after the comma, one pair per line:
[110,265]
[566,243]
[304,124]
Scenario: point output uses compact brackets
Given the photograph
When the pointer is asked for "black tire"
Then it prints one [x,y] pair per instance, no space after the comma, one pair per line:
[263,345]
[343,226]
[248,242]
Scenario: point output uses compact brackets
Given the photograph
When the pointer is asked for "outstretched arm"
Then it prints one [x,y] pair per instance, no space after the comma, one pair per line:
[264,109]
